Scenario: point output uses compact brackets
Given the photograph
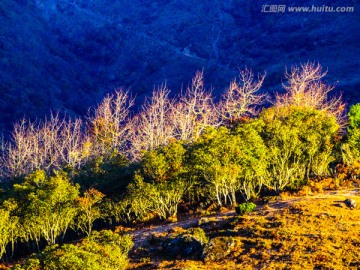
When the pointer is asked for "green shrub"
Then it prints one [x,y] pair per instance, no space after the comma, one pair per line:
[9,226]
[245,208]
[354,117]
[160,182]
[199,234]
[351,147]
[46,206]
[103,250]
[300,141]
[230,162]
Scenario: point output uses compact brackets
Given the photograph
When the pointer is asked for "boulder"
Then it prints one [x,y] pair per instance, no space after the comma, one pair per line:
[350,203]
[184,246]
[218,248]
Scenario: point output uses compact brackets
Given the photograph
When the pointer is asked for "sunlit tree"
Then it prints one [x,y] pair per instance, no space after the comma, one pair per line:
[193,111]
[300,143]
[305,87]
[242,98]
[47,205]
[230,162]
[89,209]
[109,124]
[153,126]
[161,181]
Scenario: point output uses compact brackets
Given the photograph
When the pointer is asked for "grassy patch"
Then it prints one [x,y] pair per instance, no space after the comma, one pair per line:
[315,232]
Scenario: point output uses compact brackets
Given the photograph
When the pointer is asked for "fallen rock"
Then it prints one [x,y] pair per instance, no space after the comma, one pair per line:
[350,203]
[218,248]
[184,246]
[188,244]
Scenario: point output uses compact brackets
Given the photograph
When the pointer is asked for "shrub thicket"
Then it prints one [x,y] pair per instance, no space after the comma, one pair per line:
[230,162]
[300,142]
[160,182]
[245,208]
[104,250]
[351,146]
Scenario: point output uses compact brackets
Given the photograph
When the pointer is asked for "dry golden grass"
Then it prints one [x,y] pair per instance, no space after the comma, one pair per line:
[309,232]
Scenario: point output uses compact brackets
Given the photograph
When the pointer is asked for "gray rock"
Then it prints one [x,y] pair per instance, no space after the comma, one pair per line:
[218,248]
[185,246]
[350,203]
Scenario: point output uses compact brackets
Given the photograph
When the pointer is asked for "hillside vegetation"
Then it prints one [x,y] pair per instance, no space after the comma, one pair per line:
[66,182]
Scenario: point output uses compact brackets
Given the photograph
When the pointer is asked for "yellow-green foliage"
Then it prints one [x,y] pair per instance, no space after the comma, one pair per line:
[161,198]
[89,209]
[9,226]
[230,162]
[300,141]
[165,163]
[161,181]
[245,208]
[102,251]
[47,205]
[351,148]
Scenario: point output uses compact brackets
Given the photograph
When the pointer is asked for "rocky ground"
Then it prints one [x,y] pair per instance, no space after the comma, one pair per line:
[319,231]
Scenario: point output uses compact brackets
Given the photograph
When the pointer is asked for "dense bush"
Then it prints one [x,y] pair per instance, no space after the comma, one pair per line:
[160,182]
[245,208]
[46,206]
[230,162]
[109,174]
[300,143]
[351,146]
[354,118]
[9,226]
[103,250]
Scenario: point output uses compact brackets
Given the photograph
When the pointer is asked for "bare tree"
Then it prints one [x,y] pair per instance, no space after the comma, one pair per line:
[242,97]
[194,111]
[44,145]
[47,142]
[16,154]
[71,143]
[153,126]
[109,126]
[305,88]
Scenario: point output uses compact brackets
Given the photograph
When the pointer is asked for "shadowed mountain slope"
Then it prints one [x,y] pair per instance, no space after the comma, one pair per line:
[59,54]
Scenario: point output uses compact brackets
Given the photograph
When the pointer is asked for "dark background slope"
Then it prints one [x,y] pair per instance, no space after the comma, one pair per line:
[65,55]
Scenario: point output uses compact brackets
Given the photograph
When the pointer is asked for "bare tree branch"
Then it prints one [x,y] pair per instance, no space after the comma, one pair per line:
[305,88]
[194,111]
[153,126]
[242,97]
[109,126]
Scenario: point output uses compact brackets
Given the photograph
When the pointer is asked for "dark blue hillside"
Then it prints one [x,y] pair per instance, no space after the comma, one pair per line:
[65,54]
